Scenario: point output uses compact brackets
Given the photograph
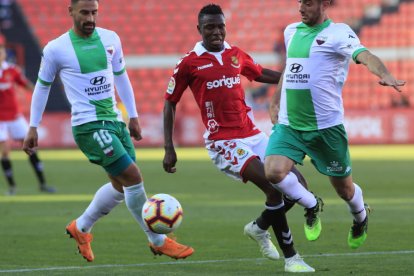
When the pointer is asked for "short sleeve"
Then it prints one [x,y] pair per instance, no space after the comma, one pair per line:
[48,66]
[348,43]
[118,60]
[179,81]
[250,69]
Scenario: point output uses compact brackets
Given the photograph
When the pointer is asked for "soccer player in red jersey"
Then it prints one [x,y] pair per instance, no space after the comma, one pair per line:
[213,71]
[12,121]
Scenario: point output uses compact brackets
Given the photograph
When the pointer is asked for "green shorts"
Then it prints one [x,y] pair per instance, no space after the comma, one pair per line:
[107,144]
[327,148]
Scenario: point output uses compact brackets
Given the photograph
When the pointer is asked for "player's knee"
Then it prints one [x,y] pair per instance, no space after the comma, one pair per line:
[275,175]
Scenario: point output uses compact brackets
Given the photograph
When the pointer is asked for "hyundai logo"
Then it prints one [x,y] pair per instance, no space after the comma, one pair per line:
[296,68]
[98,80]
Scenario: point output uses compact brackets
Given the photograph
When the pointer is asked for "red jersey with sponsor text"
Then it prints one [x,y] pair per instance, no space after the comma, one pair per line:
[215,81]
[10,75]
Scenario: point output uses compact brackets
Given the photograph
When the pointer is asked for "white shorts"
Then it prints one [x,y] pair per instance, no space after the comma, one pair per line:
[17,129]
[232,156]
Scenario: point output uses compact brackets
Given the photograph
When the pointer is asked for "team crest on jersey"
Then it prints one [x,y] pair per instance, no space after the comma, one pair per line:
[110,50]
[171,86]
[321,40]
[235,62]
[241,153]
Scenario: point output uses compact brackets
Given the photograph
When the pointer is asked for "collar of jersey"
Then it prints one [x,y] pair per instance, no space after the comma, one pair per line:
[74,36]
[199,48]
[316,27]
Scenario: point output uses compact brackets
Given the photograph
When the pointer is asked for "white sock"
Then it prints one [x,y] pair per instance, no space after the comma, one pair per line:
[105,199]
[356,205]
[291,187]
[135,198]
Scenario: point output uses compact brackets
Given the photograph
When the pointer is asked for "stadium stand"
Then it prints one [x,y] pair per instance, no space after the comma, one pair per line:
[167,27]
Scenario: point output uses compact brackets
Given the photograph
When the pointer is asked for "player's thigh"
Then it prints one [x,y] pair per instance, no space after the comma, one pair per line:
[18,128]
[329,151]
[231,156]
[102,143]
[285,141]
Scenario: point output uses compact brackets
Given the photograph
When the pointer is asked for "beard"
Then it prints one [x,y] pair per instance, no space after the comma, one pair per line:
[88,28]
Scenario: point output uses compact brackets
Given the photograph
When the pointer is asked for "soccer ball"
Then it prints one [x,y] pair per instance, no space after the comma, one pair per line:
[162,213]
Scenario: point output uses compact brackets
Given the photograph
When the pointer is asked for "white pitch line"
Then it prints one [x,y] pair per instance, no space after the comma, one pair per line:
[182,262]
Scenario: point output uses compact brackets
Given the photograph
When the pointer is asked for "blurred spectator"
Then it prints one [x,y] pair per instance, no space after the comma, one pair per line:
[390,5]
[258,97]
[6,14]
[372,13]
[354,23]
[401,101]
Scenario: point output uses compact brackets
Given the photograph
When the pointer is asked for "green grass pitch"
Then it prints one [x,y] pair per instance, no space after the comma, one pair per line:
[32,239]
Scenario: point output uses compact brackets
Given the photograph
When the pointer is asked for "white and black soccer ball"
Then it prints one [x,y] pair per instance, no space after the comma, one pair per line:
[162,213]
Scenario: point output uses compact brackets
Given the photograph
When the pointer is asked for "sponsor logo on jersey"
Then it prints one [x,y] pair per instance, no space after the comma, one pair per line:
[171,86]
[209,109]
[98,80]
[296,68]
[99,86]
[295,77]
[212,126]
[321,40]
[235,62]
[350,36]
[229,82]
[89,47]
[205,66]
[334,167]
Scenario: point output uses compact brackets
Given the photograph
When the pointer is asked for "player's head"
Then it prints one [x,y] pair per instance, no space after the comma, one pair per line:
[84,13]
[212,27]
[313,11]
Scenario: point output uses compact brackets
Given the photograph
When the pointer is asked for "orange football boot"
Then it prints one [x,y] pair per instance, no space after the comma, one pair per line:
[83,241]
[172,249]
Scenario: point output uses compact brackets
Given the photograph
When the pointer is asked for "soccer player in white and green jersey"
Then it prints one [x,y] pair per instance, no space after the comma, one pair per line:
[90,64]
[308,112]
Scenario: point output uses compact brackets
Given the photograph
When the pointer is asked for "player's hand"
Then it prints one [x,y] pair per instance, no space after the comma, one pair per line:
[170,159]
[30,141]
[389,80]
[134,129]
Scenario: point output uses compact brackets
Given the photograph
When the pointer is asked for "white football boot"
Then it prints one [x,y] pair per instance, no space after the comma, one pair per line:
[262,237]
[297,264]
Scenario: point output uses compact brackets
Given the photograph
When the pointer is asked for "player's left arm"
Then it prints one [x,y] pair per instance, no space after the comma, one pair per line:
[124,88]
[377,67]
[269,76]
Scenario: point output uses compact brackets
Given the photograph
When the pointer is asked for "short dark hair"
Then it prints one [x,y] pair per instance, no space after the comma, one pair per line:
[73,2]
[210,9]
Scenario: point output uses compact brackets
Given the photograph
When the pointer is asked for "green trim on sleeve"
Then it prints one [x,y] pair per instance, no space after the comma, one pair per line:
[356,53]
[120,72]
[44,82]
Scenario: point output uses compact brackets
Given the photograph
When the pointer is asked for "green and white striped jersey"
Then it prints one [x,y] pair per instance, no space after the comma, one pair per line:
[316,68]
[86,67]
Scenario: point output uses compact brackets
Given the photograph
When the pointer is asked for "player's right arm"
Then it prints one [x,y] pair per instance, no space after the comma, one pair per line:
[47,73]
[170,156]
[176,87]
